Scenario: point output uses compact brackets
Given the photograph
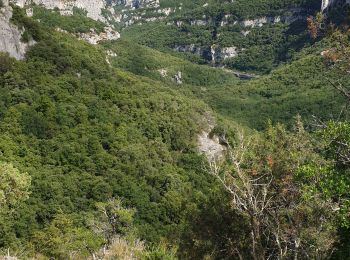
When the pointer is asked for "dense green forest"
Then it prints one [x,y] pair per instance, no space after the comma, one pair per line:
[99,154]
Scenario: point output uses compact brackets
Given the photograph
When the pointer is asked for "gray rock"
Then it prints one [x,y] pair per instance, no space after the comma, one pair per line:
[10,35]
[178,77]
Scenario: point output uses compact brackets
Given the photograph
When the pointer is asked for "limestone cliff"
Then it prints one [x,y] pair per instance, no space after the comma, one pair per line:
[121,12]
[10,35]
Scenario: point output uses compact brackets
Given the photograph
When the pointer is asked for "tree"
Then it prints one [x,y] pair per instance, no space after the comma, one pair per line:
[14,189]
[315,25]
[14,186]
[6,62]
[337,59]
[261,178]
[333,180]
[61,239]
[112,219]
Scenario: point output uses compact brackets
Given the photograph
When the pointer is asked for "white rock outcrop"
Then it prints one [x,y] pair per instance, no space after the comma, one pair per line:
[259,22]
[229,52]
[94,38]
[294,14]
[326,4]
[208,144]
[163,72]
[135,4]
[178,78]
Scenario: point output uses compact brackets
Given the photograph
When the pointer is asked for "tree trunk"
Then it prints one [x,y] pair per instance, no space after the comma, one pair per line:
[258,251]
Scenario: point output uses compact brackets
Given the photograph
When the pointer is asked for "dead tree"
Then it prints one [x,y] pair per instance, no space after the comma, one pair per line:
[249,192]
[271,201]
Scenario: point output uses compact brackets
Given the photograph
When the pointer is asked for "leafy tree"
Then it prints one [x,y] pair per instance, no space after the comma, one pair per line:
[332,179]
[335,137]
[112,220]
[337,58]
[14,190]
[6,63]
[61,239]
[14,186]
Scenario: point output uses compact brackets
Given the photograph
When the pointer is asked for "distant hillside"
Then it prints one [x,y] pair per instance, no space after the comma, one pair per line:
[301,87]
[249,36]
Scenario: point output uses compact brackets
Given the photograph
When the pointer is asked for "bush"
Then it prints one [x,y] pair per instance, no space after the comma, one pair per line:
[6,63]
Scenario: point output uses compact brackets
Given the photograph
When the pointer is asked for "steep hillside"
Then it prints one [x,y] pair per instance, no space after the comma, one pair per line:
[164,67]
[87,132]
[301,87]
[257,36]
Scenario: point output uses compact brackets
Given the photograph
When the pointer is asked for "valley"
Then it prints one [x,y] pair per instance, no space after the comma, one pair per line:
[163,129]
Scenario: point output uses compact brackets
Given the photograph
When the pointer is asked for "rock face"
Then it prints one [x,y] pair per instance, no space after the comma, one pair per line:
[10,35]
[213,54]
[126,12]
[220,45]
[210,145]
[136,3]
[92,7]
[259,22]
[327,4]
[94,38]
[178,78]
[229,52]
[129,12]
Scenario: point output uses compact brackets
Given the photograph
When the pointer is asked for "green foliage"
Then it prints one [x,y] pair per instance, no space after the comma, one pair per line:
[332,179]
[261,180]
[337,135]
[298,88]
[113,220]
[160,252]
[86,132]
[61,239]
[14,190]
[14,186]
[77,23]
[264,47]
[147,62]
[6,63]
[32,28]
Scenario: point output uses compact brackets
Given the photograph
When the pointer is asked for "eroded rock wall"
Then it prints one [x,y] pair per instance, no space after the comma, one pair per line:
[110,11]
[10,35]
